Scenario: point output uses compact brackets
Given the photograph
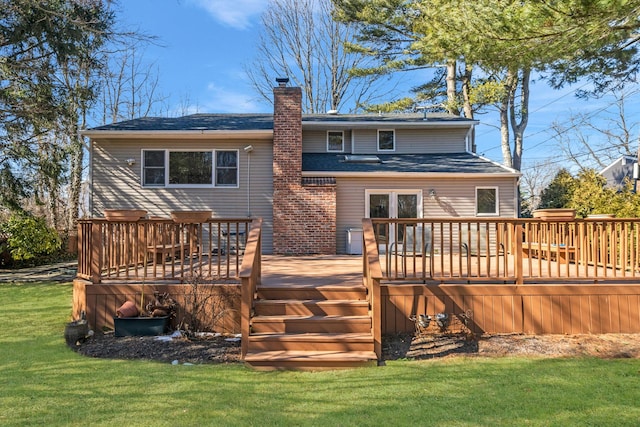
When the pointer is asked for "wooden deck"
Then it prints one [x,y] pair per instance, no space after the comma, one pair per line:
[331,311]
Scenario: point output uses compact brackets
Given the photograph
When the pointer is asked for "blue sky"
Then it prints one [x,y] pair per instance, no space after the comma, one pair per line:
[204,45]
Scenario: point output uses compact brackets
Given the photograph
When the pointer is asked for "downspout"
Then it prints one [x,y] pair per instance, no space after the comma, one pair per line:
[89,148]
[248,149]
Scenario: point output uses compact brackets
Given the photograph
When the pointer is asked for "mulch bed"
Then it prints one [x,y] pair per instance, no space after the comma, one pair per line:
[207,349]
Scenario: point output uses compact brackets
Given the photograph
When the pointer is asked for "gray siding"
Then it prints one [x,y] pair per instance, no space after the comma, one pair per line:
[408,141]
[117,185]
[454,197]
[414,141]
[315,141]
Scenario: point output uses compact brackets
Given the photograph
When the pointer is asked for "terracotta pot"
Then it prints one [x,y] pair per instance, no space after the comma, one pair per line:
[128,309]
[555,214]
[124,214]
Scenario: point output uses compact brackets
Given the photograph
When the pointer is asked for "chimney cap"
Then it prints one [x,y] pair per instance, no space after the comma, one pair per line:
[282,81]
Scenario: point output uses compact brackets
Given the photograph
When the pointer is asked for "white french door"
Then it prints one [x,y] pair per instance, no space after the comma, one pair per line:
[392,204]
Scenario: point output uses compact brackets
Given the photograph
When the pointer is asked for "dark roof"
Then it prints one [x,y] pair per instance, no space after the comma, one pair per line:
[421,163]
[245,122]
[195,122]
[399,118]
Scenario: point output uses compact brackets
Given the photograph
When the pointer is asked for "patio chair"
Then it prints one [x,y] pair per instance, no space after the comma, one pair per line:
[474,243]
[415,243]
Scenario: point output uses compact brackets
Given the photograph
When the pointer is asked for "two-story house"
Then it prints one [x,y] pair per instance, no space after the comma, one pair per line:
[312,178]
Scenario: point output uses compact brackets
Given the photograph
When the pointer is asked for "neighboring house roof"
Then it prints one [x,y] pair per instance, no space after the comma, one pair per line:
[619,170]
[445,163]
[262,122]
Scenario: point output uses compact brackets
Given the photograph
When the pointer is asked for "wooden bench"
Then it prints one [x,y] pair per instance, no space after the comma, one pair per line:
[161,252]
[560,252]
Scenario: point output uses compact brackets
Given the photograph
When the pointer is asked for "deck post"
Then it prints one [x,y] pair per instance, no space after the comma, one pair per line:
[519,258]
[372,275]
[96,252]
[250,277]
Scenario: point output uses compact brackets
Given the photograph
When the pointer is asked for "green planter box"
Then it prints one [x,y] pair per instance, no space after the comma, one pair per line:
[140,326]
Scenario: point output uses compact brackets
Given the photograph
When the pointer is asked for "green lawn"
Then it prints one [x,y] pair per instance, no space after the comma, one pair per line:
[45,383]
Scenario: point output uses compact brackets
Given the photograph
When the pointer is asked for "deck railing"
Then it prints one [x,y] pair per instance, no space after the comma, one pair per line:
[507,250]
[372,275]
[251,277]
[160,249]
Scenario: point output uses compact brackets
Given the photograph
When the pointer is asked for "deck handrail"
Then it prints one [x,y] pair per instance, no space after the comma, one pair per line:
[508,250]
[160,249]
[250,277]
[371,276]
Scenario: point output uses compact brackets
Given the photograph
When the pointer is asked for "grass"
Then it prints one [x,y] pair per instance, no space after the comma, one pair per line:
[45,383]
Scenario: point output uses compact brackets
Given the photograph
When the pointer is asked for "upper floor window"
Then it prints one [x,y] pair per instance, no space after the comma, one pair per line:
[168,168]
[335,140]
[386,140]
[486,201]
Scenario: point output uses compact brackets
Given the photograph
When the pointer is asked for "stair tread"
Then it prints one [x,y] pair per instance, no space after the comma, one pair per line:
[292,317]
[311,286]
[312,336]
[313,301]
[305,356]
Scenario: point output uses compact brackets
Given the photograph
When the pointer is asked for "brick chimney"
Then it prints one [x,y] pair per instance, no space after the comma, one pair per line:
[287,136]
[304,218]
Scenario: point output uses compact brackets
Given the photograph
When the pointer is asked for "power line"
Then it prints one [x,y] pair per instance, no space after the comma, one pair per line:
[573,126]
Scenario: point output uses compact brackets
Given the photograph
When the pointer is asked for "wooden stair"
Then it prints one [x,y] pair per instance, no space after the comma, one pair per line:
[310,328]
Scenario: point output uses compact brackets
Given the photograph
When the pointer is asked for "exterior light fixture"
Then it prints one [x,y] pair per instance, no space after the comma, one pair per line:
[131,161]
[432,193]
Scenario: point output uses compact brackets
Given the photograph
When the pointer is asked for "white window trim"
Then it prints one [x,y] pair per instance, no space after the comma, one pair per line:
[142,168]
[335,151]
[166,169]
[393,193]
[497,206]
[237,184]
[378,140]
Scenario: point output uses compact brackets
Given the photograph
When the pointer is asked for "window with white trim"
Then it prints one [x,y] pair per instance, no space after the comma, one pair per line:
[153,169]
[190,168]
[335,141]
[486,201]
[386,140]
[227,168]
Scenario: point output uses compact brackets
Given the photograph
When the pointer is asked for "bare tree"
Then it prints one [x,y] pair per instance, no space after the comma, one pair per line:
[590,144]
[301,41]
[533,182]
[129,87]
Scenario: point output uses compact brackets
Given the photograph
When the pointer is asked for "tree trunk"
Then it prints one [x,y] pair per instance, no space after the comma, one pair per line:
[507,160]
[521,110]
[452,100]
[467,108]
